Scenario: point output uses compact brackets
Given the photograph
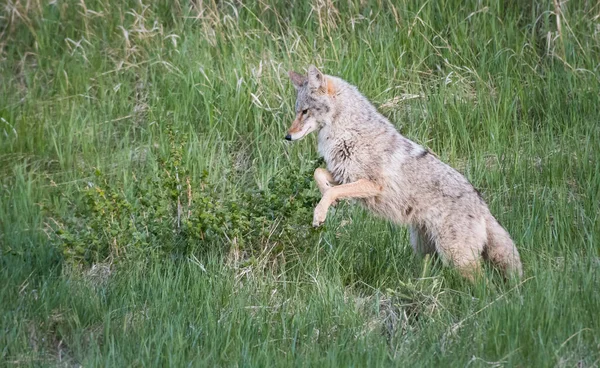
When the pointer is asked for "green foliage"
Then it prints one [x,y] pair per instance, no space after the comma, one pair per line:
[170,213]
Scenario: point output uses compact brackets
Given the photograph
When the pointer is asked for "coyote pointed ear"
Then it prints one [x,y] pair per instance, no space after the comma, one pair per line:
[298,79]
[315,77]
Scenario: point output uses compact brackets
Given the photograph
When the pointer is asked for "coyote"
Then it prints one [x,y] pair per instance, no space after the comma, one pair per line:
[396,178]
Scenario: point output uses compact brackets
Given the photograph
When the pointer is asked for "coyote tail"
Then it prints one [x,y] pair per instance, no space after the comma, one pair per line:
[501,250]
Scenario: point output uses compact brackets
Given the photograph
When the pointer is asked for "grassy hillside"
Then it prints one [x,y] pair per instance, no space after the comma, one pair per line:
[151,213]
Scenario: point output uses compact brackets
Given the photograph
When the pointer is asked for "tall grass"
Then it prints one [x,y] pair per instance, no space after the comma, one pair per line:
[507,92]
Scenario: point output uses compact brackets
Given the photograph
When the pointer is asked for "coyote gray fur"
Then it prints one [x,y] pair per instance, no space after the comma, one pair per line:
[395,178]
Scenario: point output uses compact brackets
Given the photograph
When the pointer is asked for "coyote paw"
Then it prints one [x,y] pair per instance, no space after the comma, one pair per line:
[319,216]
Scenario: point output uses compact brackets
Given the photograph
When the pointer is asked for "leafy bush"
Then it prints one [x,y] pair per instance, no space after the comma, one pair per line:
[166,214]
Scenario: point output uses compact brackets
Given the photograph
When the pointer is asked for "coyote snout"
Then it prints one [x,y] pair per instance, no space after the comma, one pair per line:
[368,159]
[301,126]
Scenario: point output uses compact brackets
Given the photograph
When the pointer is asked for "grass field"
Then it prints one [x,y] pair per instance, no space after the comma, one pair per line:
[151,213]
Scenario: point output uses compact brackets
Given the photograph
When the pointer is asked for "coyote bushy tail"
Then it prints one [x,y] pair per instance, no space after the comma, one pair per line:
[501,250]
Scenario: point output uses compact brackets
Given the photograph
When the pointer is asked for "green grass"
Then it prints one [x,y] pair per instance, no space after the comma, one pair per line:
[498,91]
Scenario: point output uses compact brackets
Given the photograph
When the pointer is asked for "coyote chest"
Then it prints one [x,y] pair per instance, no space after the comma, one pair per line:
[343,155]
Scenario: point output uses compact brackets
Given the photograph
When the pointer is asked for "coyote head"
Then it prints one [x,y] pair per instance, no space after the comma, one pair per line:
[313,104]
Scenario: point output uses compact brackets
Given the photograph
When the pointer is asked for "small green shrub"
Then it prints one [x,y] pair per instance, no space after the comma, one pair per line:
[166,215]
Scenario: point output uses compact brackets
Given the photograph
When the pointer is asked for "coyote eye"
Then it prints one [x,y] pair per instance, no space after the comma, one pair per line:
[305,111]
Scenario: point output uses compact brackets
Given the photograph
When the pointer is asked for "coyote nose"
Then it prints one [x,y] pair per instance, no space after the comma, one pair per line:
[288,137]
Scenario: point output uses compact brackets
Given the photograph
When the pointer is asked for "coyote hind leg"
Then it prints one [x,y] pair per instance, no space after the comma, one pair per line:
[421,241]
[467,260]
[463,250]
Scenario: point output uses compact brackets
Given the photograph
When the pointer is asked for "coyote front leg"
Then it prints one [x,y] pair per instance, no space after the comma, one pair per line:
[325,181]
[361,188]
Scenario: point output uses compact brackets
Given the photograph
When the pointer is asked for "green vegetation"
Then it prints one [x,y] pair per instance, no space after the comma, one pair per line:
[151,213]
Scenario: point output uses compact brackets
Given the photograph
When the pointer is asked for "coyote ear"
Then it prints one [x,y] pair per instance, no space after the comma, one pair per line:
[315,77]
[298,79]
